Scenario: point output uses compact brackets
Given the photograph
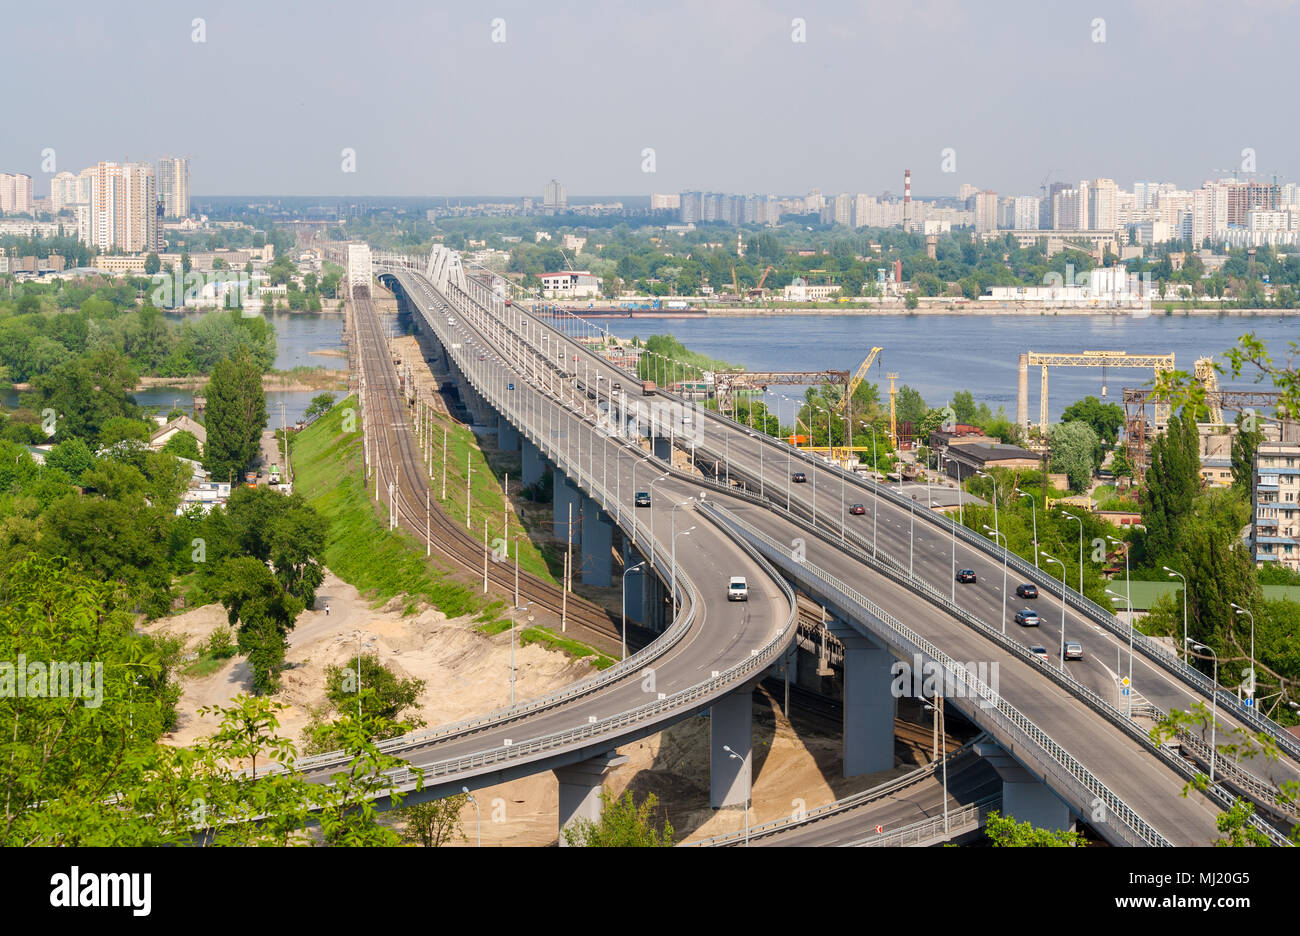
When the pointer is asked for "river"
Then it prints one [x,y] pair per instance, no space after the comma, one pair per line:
[940,354]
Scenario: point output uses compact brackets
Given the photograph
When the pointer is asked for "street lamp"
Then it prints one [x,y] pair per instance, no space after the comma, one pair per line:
[626,572]
[1183,578]
[1063,588]
[1033,508]
[1129,598]
[1077,520]
[513,612]
[748,788]
[478,816]
[1251,615]
[1214,700]
[673,575]
[996,534]
[943,735]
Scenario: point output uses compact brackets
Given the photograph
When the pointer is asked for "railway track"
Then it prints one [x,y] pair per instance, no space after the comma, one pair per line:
[398,461]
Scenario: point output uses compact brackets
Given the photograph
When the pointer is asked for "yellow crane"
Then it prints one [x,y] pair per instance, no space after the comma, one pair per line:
[893,413]
[860,376]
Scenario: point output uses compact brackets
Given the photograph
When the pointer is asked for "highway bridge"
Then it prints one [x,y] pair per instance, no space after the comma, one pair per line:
[1059,742]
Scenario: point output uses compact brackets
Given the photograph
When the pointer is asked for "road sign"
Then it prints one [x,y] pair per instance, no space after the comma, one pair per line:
[1123,680]
[1124,691]
[879,829]
[1248,702]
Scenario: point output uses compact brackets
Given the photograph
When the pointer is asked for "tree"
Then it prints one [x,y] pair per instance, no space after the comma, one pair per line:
[909,405]
[184,444]
[236,416]
[152,264]
[433,823]
[622,824]
[264,612]
[1006,832]
[72,457]
[1104,418]
[320,404]
[1172,482]
[910,301]
[389,696]
[1074,450]
[1245,443]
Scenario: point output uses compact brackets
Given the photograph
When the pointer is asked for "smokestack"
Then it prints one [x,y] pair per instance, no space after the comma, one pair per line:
[907,198]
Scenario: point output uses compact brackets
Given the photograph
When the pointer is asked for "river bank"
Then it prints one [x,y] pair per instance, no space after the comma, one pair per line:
[298,380]
[990,310]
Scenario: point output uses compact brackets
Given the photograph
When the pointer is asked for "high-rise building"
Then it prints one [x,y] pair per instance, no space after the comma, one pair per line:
[124,207]
[63,192]
[844,209]
[1275,489]
[174,186]
[665,202]
[986,211]
[1025,213]
[1102,208]
[555,198]
[15,193]
[1067,210]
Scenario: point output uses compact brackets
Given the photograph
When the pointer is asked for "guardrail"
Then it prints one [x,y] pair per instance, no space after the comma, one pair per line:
[928,831]
[1035,744]
[848,803]
[1151,649]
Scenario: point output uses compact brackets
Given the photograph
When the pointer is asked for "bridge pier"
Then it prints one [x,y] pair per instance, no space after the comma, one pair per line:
[533,464]
[580,788]
[507,435]
[662,448]
[566,496]
[869,704]
[731,724]
[1024,796]
[635,587]
[597,543]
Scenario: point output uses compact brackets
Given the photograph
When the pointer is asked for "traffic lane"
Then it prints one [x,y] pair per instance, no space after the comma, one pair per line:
[1148,679]
[969,781]
[1125,766]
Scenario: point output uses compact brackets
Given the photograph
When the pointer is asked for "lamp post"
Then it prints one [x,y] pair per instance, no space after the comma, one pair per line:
[937,708]
[996,534]
[626,572]
[1214,701]
[1080,522]
[995,499]
[672,587]
[1048,558]
[1033,508]
[1240,611]
[478,816]
[513,612]
[748,788]
[875,484]
[651,487]
[1183,578]
[1129,599]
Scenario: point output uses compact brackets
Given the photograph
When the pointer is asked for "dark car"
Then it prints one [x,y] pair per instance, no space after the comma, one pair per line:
[1027,617]
[966,575]
[857,510]
[798,477]
[643,498]
[1027,590]
[1041,653]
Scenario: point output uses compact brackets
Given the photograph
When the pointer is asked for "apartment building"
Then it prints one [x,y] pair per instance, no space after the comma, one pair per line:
[1275,503]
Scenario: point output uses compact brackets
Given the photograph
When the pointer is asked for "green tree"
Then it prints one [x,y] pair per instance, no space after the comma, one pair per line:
[320,404]
[236,416]
[1172,482]
[1104,418]
[1245,443]
[389,697]
[434,823]
[1006,832]
[1074,450]
[152,264]
[184,444]
[622,824]
[909,405]
[264,612]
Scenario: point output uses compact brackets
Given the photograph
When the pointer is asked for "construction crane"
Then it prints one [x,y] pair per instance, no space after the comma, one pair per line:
[735,283]
[857,379]
[758,290]
[1208,377]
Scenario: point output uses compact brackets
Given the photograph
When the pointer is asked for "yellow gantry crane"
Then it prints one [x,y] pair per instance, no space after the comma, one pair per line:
[857,379]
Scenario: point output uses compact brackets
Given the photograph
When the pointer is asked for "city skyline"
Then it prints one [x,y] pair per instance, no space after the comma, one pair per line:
[1077,93]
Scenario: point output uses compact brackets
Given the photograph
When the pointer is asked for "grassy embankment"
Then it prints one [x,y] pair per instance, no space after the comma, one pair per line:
[382,563]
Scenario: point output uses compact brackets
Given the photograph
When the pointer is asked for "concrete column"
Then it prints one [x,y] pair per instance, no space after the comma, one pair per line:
[634,593]
[533,464]
[663,449]
[580,786]
[597,543]
[566,495]
[731,724]
[1024,796]
[869,705]
[507,436]
[1022,395]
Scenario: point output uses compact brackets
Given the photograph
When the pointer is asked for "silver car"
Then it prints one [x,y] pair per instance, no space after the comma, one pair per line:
[1073,650]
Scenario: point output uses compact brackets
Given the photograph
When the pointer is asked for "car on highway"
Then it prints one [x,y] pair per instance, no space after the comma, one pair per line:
[1041,653]
[857,510]
[1073,650]
[643,498]
[798,477]
[737,589]
[1027,617]
[1027,590]
[965,575]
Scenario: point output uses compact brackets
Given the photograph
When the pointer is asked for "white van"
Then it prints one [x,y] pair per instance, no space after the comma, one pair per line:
[738,589]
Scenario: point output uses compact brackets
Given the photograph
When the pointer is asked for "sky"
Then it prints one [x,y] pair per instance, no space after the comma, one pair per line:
[630,98]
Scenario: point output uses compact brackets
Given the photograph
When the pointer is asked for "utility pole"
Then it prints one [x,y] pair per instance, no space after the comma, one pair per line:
[428,541]
[485,556]
[444,463]
[469,468]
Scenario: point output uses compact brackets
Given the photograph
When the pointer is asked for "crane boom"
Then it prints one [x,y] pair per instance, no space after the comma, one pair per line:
[857,379]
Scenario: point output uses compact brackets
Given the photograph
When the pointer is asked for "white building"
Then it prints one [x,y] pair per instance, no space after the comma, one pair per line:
[124,207]
[578,284]
[174,186]
[15,193]
[555,199]
[1025,212]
